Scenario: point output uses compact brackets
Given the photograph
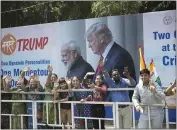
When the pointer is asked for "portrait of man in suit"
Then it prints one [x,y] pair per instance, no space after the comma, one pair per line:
[73,61]
[101,42]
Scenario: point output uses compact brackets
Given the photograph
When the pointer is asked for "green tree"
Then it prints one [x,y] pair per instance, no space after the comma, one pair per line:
[109,8]
[21,13]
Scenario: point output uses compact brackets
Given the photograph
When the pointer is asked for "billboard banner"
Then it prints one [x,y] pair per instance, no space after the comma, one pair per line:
[71,49]
[29,46]
[159,29]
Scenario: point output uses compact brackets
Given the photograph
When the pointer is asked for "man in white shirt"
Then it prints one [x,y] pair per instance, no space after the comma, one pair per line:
[149,93]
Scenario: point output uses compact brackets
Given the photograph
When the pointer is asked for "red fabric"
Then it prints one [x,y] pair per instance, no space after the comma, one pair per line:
[99,95]
[98,67]
[98,70]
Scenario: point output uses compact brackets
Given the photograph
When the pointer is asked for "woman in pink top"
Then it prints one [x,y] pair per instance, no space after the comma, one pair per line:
[98,94]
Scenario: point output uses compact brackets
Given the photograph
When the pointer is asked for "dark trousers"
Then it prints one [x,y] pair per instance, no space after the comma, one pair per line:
[98,110]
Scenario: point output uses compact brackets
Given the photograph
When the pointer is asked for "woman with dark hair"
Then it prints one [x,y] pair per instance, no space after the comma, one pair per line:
[98,95]
[19,107]
[82,110]
[51,84]
[34,86]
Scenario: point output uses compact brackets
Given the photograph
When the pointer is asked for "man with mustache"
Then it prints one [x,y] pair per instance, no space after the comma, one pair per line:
[73,61]
[116,81]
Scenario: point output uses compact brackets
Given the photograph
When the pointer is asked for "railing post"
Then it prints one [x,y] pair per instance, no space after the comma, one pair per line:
[167,117]
[134,125]
[34,114]
[85,121]
[10,121]
[117,116]
[21,119]
[114,114]
[47,112]
[59,114]
[72,113]
[149,117]
[99,123]
[55,113]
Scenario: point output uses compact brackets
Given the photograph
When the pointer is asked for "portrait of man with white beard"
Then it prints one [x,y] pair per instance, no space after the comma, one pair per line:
[73,61]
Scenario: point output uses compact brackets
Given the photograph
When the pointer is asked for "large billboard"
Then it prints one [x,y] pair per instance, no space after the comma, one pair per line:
[159,29]
[36,46]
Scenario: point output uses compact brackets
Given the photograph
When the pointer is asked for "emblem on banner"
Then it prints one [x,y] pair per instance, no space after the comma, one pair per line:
[8,44]
[167,20]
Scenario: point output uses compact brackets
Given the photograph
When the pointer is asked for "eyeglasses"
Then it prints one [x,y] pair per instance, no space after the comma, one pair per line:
[115,75]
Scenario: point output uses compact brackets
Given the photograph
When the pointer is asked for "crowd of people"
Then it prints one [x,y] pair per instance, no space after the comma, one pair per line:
[148,93]
[115,70]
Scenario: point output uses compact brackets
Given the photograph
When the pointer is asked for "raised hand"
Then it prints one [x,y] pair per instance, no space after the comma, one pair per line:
[88,73]
[82,100]
[7,78]
[53,92]
[32,76]
[126,73]
[4,77]
[174,83]
[152,87]
[50,68]
[26,69]
[68,81]
[91,85]
[36,77]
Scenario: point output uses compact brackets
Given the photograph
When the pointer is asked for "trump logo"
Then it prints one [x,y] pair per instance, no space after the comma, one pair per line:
[8,44]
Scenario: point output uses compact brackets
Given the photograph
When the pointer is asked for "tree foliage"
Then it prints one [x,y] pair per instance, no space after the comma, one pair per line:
[109,8]
[37,12]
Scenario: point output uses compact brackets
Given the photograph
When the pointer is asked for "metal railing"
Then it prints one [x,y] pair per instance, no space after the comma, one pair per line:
[115,110]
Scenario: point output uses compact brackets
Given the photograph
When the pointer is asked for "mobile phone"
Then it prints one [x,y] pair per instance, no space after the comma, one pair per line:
[90,76]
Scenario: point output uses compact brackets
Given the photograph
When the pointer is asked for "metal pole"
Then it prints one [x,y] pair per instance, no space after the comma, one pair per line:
[134,126]
[59,114]
[114,113]
[167,117]
[21,122]
[99,123]
[85,120]
[72,113]
[47,107]
[55,114]
[149,117]
[10,121]
[117,115]
[33,114]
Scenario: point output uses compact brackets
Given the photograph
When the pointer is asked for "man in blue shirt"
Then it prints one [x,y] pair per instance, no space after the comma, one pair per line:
[125,111]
